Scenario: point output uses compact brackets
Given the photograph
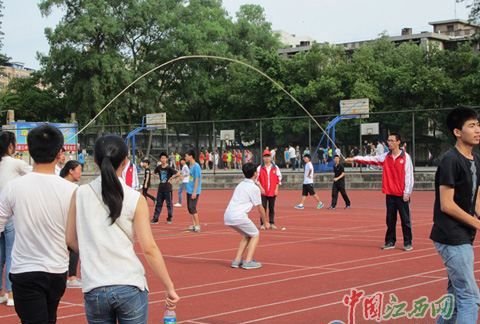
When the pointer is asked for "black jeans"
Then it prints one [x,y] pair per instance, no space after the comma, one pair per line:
[293,163]
[397,205]
[161,197]
[147,195]
[72,263]
[270,201]
[336,188]
[37,295]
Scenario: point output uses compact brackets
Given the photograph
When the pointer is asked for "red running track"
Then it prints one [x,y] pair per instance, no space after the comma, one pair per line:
[308,268]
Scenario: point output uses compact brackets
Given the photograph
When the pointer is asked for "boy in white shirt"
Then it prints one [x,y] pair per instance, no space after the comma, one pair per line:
[308,184]
[38,203]
[245,197]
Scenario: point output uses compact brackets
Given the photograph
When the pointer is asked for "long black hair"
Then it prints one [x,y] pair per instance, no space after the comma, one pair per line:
[70,165]
[6,139]
[110,151]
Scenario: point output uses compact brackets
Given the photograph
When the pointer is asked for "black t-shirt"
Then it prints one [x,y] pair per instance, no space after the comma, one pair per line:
[165,174]
[456,171]
[147,178]
[338,170]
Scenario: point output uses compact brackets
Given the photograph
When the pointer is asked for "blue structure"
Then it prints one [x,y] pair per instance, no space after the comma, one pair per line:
[132,136]
[326,142]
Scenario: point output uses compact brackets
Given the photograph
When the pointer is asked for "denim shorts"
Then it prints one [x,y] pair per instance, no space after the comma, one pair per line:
[125,304]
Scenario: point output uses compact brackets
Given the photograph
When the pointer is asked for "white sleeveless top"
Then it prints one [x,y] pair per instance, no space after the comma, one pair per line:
[106,250]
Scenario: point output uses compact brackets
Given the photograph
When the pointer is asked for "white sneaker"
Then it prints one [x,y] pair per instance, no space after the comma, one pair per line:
[197,229]
[10,302]
[177,205]
[75,283]
[3,299]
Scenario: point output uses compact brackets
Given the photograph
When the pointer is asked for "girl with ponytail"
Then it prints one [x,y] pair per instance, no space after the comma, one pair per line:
[103,217]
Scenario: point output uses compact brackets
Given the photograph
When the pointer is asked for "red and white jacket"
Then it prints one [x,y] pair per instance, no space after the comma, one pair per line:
[397,178]
[130,175]
[269,179]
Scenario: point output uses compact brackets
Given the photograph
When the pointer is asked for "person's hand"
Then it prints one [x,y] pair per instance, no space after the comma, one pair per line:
[335,179]
[171,299]
[262,190]
[349,160]
[267,225]
[194,196]
[276,191]
[406,198]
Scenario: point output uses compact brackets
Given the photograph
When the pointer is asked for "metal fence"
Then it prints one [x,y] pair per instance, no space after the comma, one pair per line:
[423,131]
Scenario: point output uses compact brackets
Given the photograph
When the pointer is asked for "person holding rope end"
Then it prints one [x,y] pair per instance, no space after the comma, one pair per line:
[102,220]
[397,185]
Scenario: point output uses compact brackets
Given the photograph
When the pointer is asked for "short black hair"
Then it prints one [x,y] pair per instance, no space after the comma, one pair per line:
[249,170]
[147,161]
[336,156]
[182,159]
[192,153]
[70,165]
[164,154]
[458,117]
[397,136]
[308,156]
[44,143]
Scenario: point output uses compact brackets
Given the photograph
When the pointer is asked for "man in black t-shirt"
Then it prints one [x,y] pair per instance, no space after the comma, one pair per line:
[339,184]
[147,177]
[166,175]
[456,212]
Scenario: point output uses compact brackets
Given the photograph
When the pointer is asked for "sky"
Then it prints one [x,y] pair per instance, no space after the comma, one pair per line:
[333,21]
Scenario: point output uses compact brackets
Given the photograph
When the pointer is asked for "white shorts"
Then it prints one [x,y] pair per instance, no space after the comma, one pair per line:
[247,229]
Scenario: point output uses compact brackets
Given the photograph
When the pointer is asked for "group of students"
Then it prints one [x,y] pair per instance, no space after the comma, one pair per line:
[51,215]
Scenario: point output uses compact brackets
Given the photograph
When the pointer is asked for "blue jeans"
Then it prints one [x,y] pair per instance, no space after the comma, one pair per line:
[458,260]
[181,189]
[125,304]
[6,245]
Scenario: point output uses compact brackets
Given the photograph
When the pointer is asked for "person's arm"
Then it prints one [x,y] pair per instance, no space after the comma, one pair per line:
[71,233]
[195,186]
[257,181]
[174,175]
[450,207]
[477,205]
[135,182]
[372,160]
[279,175]
[6,210]
[339,177]
[409,180]
[143,231]
[147,179]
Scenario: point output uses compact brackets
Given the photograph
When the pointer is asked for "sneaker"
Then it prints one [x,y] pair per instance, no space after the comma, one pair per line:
[262,227]
[3,299]
[169,222]
[10,302]
[331,208]
[236,264]
[251,265]
[299,206]
[320,205]
[154,221]
[191,228]
[388,246]
[348,207]
[75,283]
[273,227]
[408,247]
[197,229]
[177,205]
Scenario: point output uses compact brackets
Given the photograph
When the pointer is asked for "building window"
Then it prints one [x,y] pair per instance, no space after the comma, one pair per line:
[450,28]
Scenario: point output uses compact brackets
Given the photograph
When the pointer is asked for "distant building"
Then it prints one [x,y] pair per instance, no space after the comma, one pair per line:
[446,35]
[12,71]
[292,40]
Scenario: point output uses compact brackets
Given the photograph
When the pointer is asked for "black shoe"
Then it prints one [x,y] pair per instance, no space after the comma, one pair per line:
[388,246]
[154,221]
[331,208]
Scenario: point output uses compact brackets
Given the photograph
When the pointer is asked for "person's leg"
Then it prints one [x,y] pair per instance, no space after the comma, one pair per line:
[168,198]
[98,308]
[30,291]
[390,236]
[147,195]
[343,192]
[158,206]
[2,261]
[131,304]
[241,249]
[56,290]
[192,209]
[72,265]
[9,240]
[404,210]
[264,205]
[251,247]
[271,209]
[459,261]
[334,195]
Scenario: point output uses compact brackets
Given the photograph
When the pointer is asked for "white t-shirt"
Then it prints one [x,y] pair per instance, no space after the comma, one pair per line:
[38,204]
[306,178]
[245,197]
[185,174]
[11,168]
[292,154]
[273,153]
[107,252]
[57,169]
